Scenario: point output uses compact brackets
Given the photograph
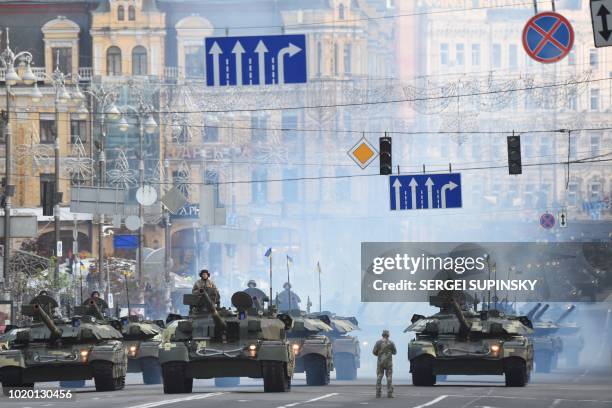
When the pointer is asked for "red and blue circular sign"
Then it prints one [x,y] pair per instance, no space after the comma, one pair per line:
[547,220]
[548,37]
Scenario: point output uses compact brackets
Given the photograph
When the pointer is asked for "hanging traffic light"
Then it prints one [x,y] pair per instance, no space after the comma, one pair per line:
[514,155]
[386,162]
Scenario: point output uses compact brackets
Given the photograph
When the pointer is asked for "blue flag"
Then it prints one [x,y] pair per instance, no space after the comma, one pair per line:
[268,252]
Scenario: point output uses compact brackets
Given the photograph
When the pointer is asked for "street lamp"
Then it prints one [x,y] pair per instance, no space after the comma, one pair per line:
[7,60]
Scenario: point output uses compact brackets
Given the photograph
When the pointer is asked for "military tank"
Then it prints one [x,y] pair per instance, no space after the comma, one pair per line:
[211,343]
[312,348]
[142,339]
[347,351]
[460,341]
[547,344]
[53,349]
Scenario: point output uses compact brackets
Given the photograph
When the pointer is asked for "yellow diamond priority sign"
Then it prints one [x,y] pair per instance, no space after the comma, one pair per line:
[363,153]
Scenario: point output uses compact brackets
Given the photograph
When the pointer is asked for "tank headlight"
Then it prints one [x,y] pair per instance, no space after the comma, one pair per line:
[296,348]
[495,348]
[84,354]
[133,350]
[252,347]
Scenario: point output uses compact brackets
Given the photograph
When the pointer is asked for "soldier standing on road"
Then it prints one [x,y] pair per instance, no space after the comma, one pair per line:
[208,285]
[384,349]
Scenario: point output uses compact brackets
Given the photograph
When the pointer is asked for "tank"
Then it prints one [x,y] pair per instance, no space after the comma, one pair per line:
[312,348]
[61,349]
[347,351]
[142,340]
[457,340]
[211,343]
[547,344]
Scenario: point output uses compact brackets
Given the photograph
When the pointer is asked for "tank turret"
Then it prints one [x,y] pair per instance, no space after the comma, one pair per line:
[539,314]
[533,311]
[565,314]
[202,300]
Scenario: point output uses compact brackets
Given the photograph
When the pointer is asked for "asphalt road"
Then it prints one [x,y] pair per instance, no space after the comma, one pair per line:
[584,388]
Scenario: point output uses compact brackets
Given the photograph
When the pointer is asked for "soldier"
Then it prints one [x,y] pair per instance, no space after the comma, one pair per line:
[254,292]
[384,349]
[287,300]
[207,284]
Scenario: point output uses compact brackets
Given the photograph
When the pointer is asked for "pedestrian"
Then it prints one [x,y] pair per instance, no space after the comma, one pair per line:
[384,349]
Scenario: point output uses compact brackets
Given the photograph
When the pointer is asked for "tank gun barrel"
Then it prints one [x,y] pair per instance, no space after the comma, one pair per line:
[96,310]
[533,311]
[55,331]
[213,310]
[541,312]
[465,327]
[565,314]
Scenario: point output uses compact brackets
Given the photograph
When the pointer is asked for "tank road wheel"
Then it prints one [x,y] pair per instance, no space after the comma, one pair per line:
[543,362]
[103,377]
[275,377]
[175,379]
[227,382]
[422,371]
[346,368]
[516,372]
[316,370]
[12,380]
[72,384]
[151,370]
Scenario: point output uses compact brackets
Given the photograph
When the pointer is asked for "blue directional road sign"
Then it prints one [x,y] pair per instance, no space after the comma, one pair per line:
[424,191]
[256,60]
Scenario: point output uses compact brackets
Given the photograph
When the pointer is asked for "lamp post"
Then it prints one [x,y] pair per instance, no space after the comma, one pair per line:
[105,100]
[146,124]
[11,78]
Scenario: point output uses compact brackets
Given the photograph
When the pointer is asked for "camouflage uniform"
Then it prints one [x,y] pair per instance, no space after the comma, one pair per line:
[384,349]
[210,288]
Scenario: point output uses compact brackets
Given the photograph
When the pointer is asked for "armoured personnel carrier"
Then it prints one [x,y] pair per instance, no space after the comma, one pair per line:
[461,341]
[347,351]
[212,343]
[547,345]
[312,348]
[142,339]
[54,348]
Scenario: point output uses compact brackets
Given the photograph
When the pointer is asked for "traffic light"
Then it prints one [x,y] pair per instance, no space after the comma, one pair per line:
[386,162]
[514,155]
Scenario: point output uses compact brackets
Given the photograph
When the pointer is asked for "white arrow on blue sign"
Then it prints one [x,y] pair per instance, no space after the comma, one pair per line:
[256,60]
[425,191]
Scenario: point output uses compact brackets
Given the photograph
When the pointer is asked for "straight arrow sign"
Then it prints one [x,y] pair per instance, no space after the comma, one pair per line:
[261,51]
[429,183]
[215,51]
[413,186]
[238,50]
[397,186]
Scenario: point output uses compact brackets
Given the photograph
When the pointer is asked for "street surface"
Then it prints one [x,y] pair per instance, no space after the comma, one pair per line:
[581,388]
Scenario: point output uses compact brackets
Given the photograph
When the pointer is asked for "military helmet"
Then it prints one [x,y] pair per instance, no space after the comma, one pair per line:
[385,333]
[286,285]
[204,271]
[252,283]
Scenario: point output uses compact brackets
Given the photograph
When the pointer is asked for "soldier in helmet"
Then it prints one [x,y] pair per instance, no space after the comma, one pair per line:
[287,300]
[384,349]
[208,285]
[254,292]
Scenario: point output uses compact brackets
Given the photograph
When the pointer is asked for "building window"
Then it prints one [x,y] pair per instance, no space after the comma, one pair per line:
[47,131]
[258,123]
[496,56]
[259,191]
[139,61]
[47,187]
[545,143]
[212,177]
[527,145]
[529,196]
[289,124]
[573,146]
[347,58]
[460,54]
[341,11]
[194,61]
[343,185]
[594,99]
[335,59]
[62,59]
[595,191]
[78,131]
[475,54]
[593,59]
[319,58]
[571,57]
[444,54]
[120,13]
[512,56]
[131,13]
[595,144]
[290,185]
[113,61]
[573,193]
[572,100]
[210,134]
